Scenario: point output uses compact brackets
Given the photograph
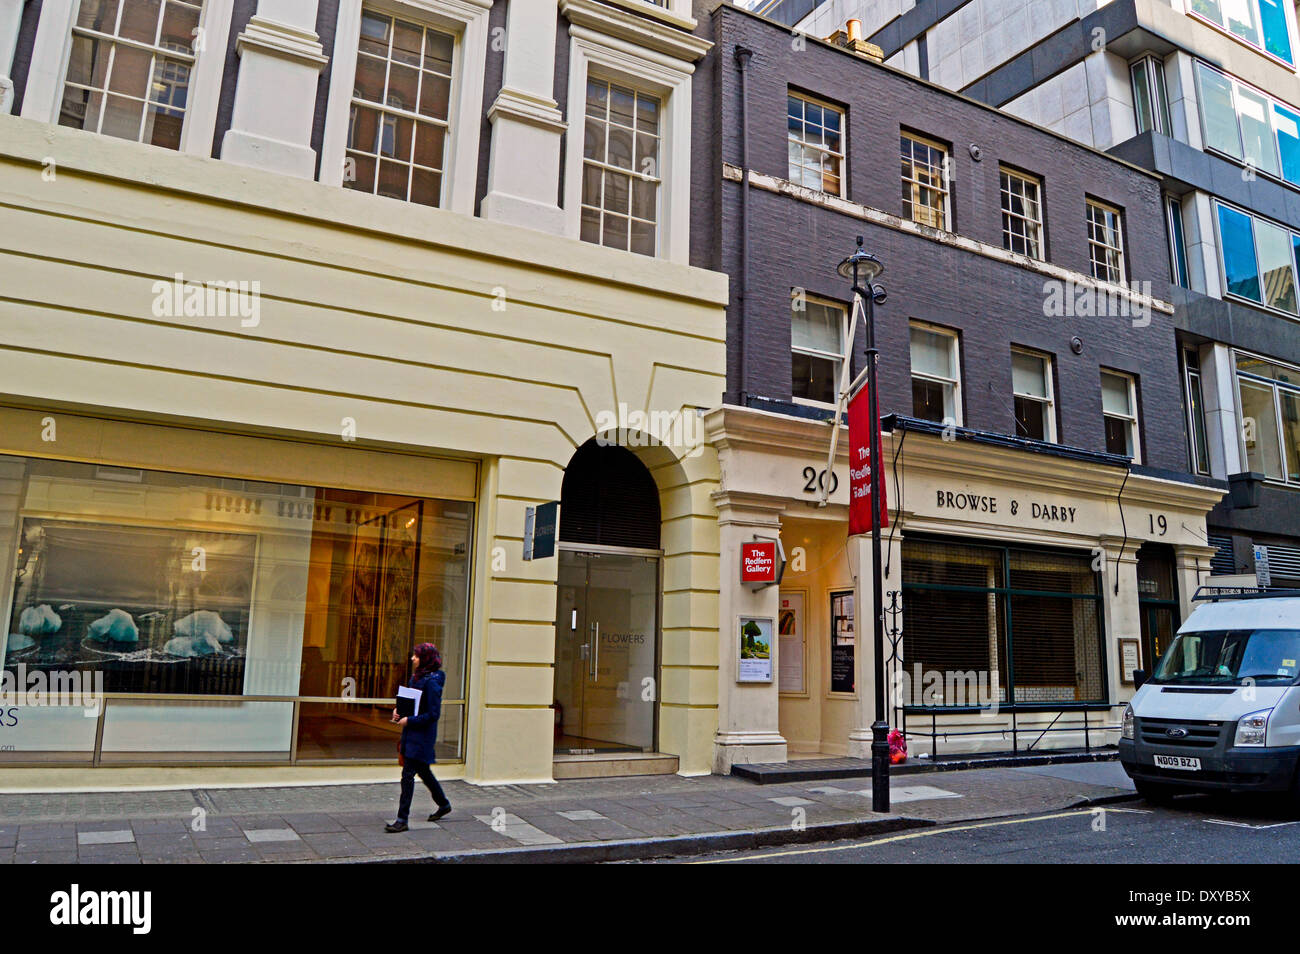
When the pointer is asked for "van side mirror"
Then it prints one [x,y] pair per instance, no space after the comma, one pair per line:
[1139,678]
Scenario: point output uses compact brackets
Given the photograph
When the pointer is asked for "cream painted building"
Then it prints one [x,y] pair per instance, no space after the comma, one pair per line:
[288,351]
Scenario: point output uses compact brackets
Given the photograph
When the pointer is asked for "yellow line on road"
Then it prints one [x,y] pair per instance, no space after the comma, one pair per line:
[924,833]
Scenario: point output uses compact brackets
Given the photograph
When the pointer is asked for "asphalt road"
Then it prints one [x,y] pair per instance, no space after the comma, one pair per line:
[1193,829]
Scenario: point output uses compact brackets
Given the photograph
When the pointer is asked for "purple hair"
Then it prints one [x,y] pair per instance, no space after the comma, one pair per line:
[429,657]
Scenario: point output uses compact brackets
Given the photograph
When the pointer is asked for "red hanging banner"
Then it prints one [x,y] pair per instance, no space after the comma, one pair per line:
[860,467]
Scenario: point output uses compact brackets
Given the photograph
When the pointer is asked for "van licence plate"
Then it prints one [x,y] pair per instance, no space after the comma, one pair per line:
[1178,762]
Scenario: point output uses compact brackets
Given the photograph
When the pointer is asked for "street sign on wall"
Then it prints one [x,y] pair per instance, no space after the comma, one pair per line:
[762,563]
[540,526]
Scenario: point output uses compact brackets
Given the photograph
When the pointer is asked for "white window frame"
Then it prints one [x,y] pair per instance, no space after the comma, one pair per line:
[610,58]
[1276,386]
[842,155]
[1288,11]
[845,347]
[633,174]
[1272,103]
[1119,237]
[52,49]
[1157,94]
[1227,295]
[954,342]
[1134,431]
[1049,386]
[1039,237]
[467,21]
[944,187]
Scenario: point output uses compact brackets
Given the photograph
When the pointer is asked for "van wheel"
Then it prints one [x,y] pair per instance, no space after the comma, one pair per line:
[1154,792]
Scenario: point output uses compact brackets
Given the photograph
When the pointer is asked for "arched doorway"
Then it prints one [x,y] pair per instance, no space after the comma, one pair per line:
[607,605]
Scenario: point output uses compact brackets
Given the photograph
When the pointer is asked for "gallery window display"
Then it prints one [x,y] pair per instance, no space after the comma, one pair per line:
[176,585]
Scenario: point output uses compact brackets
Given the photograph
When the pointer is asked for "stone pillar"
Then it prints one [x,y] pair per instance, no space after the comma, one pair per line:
[747,712]
[1191,570]
[1219,394]
[1123,615]
[275,99]
[865,611]
[527,125]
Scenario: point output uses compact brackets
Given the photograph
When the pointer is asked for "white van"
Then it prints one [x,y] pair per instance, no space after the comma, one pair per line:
[1222,709]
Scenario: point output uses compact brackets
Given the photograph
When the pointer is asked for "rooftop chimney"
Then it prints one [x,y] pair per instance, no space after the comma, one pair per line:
[850,38]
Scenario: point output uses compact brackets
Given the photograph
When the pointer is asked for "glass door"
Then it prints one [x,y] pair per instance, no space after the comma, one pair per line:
[607,624]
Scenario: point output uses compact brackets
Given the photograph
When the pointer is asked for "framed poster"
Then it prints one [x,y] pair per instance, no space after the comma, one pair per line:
[789,634]
[754,648]
[843,641]
[1130,658]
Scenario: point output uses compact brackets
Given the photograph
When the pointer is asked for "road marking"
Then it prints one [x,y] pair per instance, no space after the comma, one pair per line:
[893,838]
[1130,811]
[1238,824]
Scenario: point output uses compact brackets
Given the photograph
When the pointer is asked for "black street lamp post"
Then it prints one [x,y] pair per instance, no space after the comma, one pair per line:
[864,267]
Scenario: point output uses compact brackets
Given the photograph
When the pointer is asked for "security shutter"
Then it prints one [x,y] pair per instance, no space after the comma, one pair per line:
[1284,565]
[609,499]
[1222,563]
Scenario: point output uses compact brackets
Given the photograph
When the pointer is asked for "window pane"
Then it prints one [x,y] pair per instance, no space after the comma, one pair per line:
[1275,260]
[1238,252]
[817,328]
[933,353]
[1141,96]
[1218,114]
[1029,374]
[1273,21]
[1209,9]
[1115,395]
[932,401]
[1240,15]
[1179,243]
[1031,419]
[1256,131]
[815,379]
[1291,432]
[1259,429]
[1286,124]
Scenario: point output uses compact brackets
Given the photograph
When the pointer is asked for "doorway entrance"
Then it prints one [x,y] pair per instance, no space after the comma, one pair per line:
[607,650]
[1157,602]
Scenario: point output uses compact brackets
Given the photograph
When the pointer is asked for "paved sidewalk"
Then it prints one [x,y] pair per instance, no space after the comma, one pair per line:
[628,817]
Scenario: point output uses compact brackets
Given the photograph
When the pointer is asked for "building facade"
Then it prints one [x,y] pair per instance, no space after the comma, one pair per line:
[1034,459]
[1206,95]
[305,306]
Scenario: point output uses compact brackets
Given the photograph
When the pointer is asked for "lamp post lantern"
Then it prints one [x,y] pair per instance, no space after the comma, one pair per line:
[863,267]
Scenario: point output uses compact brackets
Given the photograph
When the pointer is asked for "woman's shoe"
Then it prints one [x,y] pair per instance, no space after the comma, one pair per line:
[396,826]
[441,813]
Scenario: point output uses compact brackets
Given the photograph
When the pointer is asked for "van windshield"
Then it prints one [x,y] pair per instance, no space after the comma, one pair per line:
[1232,656]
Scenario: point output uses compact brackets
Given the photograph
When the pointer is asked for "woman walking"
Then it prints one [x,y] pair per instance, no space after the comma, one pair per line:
[419,734]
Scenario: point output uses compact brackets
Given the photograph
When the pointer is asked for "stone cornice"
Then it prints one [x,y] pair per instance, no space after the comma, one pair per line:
[674,41]
[747,430]
[767,183]
[283,41]
[523,106]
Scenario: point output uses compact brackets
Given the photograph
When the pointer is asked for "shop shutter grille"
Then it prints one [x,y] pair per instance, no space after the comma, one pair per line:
[609,499]
[1284,565]
[1222,563]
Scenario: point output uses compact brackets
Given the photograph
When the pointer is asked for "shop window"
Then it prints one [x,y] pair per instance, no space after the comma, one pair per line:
[936,375]
[1119,413]
[398,130]
[1105,243]
[1258,259]
[1198,445]
[129,69]
[843,642]
[1269,394]
[925,181]
[1028,621]
[1261,23]
[815,140]
[182,585]
[620,168]
[817,339]
[1150,100]
[1031,384]
[1022,213]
